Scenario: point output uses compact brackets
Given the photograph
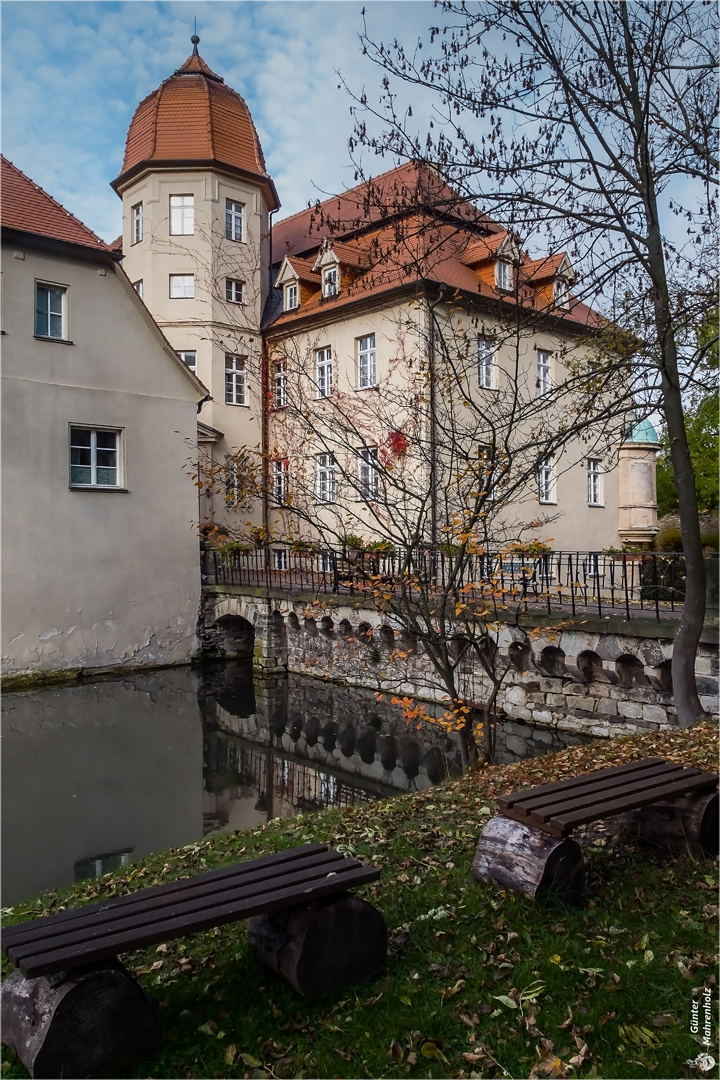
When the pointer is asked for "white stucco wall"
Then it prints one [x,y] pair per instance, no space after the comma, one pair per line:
[94,578]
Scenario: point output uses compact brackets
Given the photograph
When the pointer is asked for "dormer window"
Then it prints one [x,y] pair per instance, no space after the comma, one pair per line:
[291,296]
[562,294]
[504,275]
[331,285]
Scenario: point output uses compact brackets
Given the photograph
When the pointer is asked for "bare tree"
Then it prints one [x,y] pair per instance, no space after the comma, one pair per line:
[595,122]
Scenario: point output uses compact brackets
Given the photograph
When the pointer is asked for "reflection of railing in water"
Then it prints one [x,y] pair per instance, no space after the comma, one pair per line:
[303,786]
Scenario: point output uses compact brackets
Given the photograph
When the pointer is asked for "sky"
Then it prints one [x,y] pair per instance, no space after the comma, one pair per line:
[73,74]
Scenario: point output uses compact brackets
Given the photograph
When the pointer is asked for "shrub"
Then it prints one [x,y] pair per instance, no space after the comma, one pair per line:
[710,539]
[668,540]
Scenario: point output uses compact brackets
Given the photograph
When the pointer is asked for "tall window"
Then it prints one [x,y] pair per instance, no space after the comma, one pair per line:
[280,384]
[486,468]
[233,220]
[594,482]
[368,473]
[323,372]
[94,457]
[233,487]
[182,215]
[562,296]
[504,276]
[189,358]
[367,373]
[280,481]
[486,367]
[182,286]
[291,296]
[330,281]
[235,380]
[137,223]
[50,311]
[546,481]
[234,291]
[543,383]
[325,478]
[280,559]
[138,287]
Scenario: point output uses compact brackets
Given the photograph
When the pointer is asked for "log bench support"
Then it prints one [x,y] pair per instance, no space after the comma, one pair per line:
[525,860]
[684,825]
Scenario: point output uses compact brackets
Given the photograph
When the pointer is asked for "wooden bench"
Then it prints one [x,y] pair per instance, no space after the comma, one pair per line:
[71,1006]
[526,847]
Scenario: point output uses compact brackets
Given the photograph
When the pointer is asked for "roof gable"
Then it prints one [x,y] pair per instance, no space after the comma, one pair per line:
[27,208]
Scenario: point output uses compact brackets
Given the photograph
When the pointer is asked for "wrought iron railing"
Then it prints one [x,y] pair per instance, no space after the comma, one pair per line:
[578,582]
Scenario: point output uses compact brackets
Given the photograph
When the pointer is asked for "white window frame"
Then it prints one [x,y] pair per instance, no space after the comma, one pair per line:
[325,564]
[368,476]
[280,384]
[182,215]
[543,361]
[93,464]
[486,363]
[594,482]
[236,390]
[366,362]
[561,293]
[504,276]
[235,221]
[138,287]
[280,559]
[232,487]
[292,295]
[486,456]
[189,358]
[331,280]
[547,482]
[137,223]
[280,470]
[323,372]
[183,286]
[325,478]
[53,312]
[234,291]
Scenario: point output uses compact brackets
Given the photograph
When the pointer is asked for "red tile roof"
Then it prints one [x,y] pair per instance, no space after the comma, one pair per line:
[27,208]
[304,270]
[194,116]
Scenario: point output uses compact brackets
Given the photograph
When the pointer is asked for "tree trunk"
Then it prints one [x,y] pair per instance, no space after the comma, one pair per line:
[321,948]
[524,859]
[76,1024]
[688,824]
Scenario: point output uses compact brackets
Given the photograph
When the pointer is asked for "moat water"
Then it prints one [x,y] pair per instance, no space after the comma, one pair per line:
[98,774]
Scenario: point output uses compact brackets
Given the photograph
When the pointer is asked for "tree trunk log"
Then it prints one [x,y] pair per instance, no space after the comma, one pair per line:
[75,1023]
[524,859]
[681,825]
[322,947]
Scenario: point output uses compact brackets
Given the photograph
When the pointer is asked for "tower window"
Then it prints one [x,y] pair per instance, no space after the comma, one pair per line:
[138,287]
[182,215]
[235,380]
[189,358]
[182,286]
[234,213]
[546,481]
[234,291]
[137,223]
[594,482]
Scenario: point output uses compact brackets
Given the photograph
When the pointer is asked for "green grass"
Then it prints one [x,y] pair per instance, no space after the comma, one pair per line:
[616,976]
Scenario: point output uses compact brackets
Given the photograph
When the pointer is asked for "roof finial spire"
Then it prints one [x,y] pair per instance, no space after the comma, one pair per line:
[195,40]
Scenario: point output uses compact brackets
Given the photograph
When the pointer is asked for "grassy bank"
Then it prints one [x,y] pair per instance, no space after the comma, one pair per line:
[478,982]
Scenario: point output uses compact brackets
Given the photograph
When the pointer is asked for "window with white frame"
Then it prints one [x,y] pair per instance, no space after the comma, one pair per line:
[366,363]
[138,287]
[291,296]
[280,559]
[323,372]
[137,223]
[325,562]
[280,481]
[189,358]
[543,380]
[182,286]
[233,490]
[486,470]
[94,457]
[368,473]
[182,215]
[562,295]
[594,482]
[50,311]
[280,384]
[234,214]
[504,275]
[331,283]
[325,478]
[235,379]
[234,291]
[486,365]
[546,481]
